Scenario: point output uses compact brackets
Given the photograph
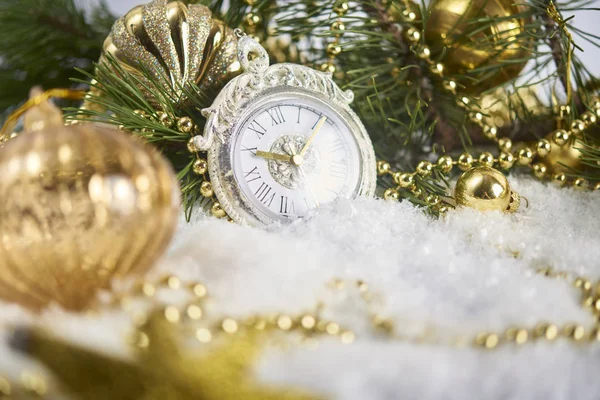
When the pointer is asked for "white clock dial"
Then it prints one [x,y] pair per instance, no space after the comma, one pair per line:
[295,154]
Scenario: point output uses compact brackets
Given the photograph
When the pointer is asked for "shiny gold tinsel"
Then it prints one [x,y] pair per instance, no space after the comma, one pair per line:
[80,205]
[176,44]
[161,369]
[467,44]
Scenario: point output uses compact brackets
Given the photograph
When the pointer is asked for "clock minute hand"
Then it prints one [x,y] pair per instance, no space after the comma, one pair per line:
[273,156]
[318,127]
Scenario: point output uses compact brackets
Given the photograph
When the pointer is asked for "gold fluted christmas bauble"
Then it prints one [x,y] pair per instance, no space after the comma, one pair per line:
[458,30]
[563,159]
[81,205]
[485,189]
[177,44]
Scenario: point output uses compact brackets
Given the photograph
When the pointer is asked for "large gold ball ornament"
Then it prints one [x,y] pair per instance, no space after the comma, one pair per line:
[563,159]
[455,28]
[485,189]
[81,205]
[177,44]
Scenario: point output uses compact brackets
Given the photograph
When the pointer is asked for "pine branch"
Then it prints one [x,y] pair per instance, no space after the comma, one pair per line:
[121,102]
[42,41]
[447,134]
[556,38]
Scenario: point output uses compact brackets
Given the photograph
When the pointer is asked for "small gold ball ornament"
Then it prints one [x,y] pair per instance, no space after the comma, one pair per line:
[185,125]
[458,30]
[486,159]
[525,156]
[465,161]
[539,170]
[561,137]
[81,205]
[486,189]
[505,144]
[383,167]
[391,194]
[424,168]
[206,189]
[543,147]
[200,166]
[506,160]
[444,163]
[404,180]
[218,211]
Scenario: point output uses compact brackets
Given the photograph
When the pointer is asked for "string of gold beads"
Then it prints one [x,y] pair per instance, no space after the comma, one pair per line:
[333,49]
[252,20]
[186,127]
[509,154]
[444,165]
[534,156]
[309,324]
[30,385]
[406,180]
[513,335]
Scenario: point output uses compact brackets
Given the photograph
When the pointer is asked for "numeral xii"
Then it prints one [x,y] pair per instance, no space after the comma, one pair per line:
[276,115]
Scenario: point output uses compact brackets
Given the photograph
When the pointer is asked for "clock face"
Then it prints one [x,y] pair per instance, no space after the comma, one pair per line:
[295,153]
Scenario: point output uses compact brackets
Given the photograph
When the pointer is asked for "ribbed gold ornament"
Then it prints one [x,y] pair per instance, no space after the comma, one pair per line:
[453,28]
[177,44]
[485,189]
[80,205]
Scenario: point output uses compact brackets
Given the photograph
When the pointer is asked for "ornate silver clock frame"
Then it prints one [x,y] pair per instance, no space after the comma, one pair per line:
[260,84]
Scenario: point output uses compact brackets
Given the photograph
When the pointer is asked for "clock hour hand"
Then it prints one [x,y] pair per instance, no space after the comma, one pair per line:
[273,156]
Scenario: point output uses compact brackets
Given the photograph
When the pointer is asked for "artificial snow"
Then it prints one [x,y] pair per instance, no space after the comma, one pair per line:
[444,278]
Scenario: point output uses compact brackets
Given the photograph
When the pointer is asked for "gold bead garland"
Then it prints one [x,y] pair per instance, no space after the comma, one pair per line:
[252,20]
[186,127]
[333,49]
[455,34]
[311,324]
[192,318]
[307,324]
[509,154]
[30,385]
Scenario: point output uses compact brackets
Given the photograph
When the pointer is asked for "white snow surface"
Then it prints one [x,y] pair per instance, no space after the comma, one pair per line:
[449,277]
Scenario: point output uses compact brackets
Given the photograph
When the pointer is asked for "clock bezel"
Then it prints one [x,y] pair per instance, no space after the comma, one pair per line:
[250,91]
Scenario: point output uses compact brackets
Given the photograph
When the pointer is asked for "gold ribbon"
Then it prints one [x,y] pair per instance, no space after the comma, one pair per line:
[11,121]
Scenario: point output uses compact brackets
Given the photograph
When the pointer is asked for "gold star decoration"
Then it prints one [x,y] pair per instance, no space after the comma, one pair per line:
[161,370]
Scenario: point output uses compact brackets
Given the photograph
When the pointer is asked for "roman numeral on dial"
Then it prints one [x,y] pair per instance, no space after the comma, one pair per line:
[332,194]
[250,149]
[276,115]
[286,206]
[265,194]
[338,169]
[317,121]
[335,146]
[257,128]
[252,175]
